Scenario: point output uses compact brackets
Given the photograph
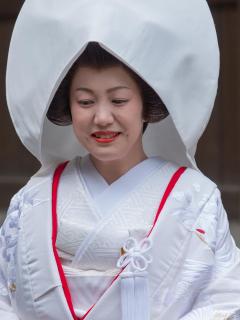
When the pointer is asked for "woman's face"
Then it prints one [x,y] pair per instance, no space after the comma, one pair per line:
[106,108]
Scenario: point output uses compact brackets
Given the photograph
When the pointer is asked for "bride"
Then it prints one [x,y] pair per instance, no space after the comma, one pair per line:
[111,97]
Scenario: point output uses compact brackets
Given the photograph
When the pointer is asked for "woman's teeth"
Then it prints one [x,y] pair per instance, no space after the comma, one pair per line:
[106,136]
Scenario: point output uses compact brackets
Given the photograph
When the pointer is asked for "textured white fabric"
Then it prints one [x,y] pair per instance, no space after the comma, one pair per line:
[102,253]
[106,196]
[8,242]
[210,314]
[81,220]
[95,183]
[87,286]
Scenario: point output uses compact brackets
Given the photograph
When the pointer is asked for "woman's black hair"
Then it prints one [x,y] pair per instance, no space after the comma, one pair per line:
[96,57]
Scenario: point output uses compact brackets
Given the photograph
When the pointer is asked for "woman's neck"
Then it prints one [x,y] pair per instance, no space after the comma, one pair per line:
[114,169]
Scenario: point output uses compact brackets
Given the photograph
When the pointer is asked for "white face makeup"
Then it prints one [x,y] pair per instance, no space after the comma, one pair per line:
[106,107]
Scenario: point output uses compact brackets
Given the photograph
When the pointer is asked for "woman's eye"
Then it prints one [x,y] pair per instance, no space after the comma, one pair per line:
[119,101]
[85,103]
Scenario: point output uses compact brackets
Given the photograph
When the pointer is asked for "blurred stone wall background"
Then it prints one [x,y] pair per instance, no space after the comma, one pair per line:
[218,153]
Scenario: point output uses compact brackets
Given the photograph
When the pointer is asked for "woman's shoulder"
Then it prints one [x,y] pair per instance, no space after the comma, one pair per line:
[44,176]
[194,178]
[196,202]
[194,191]
[191,178]
[37,187]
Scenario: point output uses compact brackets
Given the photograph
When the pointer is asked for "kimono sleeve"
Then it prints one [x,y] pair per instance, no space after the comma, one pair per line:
[8,241]
[220,299]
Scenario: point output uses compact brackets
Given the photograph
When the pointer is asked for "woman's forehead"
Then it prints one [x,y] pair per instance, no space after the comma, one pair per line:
[110,78]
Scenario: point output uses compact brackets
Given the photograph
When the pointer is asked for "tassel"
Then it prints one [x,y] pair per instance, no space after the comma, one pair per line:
[127,296]
[142,303]
[134,283]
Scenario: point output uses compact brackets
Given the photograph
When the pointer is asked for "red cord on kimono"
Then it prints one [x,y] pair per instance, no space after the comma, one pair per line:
[56,178]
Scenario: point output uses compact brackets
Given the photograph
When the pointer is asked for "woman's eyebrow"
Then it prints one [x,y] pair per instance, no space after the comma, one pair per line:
[116,88]
[109,90]
[84,89]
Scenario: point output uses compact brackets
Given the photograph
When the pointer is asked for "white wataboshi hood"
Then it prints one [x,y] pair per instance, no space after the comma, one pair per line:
[171,44]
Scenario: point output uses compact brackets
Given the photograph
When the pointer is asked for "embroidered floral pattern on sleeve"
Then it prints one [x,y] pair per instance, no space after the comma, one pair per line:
[24,199]
[208,313]
[199,214]
[191,206]
[8,241]
[195,273]
[3,284]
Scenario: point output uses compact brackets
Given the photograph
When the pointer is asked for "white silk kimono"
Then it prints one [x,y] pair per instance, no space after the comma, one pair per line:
[195,269]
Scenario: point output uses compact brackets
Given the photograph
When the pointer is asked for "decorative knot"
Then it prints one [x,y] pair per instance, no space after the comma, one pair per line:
[136,254]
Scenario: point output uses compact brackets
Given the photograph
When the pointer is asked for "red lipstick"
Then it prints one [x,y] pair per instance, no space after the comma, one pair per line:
[105,136]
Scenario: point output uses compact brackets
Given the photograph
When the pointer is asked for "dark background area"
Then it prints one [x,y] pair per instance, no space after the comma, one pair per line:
[218,154]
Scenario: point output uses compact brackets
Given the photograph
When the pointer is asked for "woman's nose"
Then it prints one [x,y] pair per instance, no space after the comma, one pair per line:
[103,115]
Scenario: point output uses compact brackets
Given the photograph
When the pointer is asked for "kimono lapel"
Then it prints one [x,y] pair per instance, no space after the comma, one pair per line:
[107,197]
[165,251]
[170,238]
[39,287]
[111,202]
[93,182]
[99,310]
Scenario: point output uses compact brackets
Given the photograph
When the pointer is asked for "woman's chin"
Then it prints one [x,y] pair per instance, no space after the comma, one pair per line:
[106,156]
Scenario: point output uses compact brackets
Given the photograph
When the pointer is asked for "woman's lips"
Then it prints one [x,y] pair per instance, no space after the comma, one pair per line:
[105,136]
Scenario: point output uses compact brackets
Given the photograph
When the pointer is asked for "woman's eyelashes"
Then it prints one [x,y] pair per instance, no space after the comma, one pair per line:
[85,103]
[119,101]
[88,102]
